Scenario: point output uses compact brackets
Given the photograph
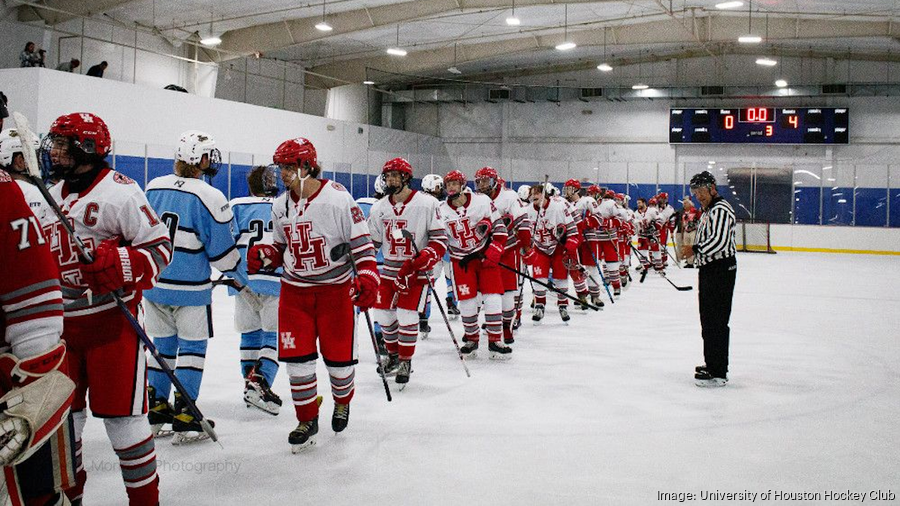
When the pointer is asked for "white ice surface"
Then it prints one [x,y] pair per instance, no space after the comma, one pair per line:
[603,411]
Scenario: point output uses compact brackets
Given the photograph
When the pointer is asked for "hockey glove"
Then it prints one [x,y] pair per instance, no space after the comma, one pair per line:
[263,257]
[114,267]
[572,248]
[483,228]
[425,260]
[493,253]
[529,255]
[364,290]
[38,400]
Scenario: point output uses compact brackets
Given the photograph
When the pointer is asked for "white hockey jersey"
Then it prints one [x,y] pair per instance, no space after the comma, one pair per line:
[612,217]
[307,230]
[514,215]
[552,224]
[38,205]
[666,213]
[588,210]
[112,207]
[418,214]
[460,224]
[648,222]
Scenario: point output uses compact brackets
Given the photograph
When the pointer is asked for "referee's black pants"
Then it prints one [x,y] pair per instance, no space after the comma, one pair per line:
[716,291]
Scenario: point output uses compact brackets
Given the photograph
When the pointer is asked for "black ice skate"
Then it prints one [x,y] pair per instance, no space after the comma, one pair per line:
[424,328]
[160,415]
[595,300]
[564,313]
[301,438]
[538,314]
[452,310]
[389,365]
[470,349]
[499,351]
[617,292]
[403,371]
[340,417]
[187,428]
[582,298]
[258,393]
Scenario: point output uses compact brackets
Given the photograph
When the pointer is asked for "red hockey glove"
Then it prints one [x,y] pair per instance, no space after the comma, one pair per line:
[425,260]
[493,253]
[572,248]
[592,221]
[263,257]
[529,255]
[483,228]
[364,290]
[114,267]
[401,284]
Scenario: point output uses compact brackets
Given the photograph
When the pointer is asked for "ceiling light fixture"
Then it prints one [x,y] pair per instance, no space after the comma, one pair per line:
[369,83]
[212,40]
[397,50]
[323,25]
[750,38]
[640,86]
[512,20]
[766,62]
[604,67]
[566,44]
[452,69]
[781,83]
[729,5]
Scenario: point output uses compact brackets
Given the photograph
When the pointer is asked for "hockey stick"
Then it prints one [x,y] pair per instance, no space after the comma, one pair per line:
[406,234]
[547,286]
[600,271]
[34,174]
[581,268]
[644,274]
[337,252]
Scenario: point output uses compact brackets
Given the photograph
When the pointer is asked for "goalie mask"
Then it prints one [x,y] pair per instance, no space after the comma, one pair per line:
[193,145]
[74,140]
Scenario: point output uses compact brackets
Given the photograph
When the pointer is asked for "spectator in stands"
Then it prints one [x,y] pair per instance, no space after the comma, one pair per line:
[97,70]
[69,66]
[31,57]
[686,230]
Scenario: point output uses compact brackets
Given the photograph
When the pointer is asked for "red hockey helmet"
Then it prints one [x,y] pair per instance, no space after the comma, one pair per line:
[652,201]
[455,175]
[486,172]
[296,151]
[620,196]
[573,183]
[501,182]
[397,164]
[88,132]
[594,190]
[663,195]
[609,194]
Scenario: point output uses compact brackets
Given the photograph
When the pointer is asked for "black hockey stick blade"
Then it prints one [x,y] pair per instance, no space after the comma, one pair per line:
[644,274]
[341,250]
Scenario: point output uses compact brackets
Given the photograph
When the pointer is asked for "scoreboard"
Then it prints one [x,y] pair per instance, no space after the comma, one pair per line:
[760,125]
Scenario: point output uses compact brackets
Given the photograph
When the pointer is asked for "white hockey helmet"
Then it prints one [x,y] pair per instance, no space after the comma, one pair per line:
[193,144]
[432,182]
[524,192]
[10,144]
[551,190]
[378,185]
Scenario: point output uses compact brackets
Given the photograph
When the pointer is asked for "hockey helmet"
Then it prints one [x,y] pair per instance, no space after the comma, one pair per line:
[454,175]
[489,174]
[652,201]
[378,185]
[594,190]
[524,192]
[82,136]
[10,144]
[398,164]
[609,194]
[662,196]
[192,145]
[432,183]
[703,179]
[297,151]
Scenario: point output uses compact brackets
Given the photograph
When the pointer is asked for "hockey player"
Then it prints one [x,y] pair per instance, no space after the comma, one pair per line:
[555,238]
[256,307]
[585,211]
[518,228]
[612,217]
[476,240]
[317,290]
[404,279]
[12,160]
[131,247]
[433,184]
[666,213]
[595,192]
[178,311]
[34,446]
[366,203]
[626,233]
[648,234]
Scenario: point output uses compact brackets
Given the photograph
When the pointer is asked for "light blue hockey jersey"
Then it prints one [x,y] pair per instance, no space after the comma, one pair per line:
[252,224]
[199,220]
[365,203]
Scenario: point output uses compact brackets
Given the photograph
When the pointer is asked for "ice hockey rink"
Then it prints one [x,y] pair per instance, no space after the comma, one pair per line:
[602,411]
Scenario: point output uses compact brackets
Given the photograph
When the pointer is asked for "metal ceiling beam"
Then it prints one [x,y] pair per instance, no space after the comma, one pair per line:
[286,33]
[59,11]
[711,29]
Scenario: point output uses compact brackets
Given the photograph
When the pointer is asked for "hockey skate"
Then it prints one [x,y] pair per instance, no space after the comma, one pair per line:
[710,382]
[389,365]
[160,415]
[584,303]
[508,335]
[470,349]
[499,351]
[258,394]
[301,438]
[617,292]
[595,300]
[403,372]
[452,310]
[340,417]
[538,314]
[424,328]
[187,429]
[564,314]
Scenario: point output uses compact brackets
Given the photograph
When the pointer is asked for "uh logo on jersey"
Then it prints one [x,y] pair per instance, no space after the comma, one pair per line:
[401,247]
[66,251]
[462,231]
[308,252]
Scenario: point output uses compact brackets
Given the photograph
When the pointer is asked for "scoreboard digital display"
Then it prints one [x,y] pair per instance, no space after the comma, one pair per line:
[760,125]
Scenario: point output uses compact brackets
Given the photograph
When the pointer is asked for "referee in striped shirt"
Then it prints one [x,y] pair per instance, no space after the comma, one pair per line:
[714,252]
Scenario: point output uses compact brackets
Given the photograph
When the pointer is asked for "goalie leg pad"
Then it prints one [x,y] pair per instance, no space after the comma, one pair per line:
[31,414]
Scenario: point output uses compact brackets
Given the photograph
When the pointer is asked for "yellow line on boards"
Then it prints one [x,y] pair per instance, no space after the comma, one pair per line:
[833,250]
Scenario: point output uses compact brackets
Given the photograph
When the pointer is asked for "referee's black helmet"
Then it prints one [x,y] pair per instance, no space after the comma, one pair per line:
[702,179]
